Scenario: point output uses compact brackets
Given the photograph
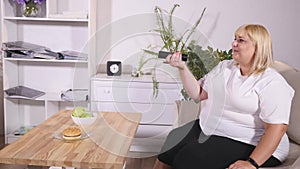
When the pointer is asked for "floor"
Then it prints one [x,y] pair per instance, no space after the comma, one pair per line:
[131,163]
[140,163]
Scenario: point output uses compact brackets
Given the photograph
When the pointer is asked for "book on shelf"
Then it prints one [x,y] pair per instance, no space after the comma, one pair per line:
[70,15]
[23,92]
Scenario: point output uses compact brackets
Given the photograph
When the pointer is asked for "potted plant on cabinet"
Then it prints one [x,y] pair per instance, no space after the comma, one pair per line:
[199,60]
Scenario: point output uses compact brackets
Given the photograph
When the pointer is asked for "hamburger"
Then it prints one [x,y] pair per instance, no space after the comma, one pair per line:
[71,133]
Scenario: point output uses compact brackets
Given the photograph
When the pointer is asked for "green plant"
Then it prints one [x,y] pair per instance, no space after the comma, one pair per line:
[171,42]
[200,60]
[139,70]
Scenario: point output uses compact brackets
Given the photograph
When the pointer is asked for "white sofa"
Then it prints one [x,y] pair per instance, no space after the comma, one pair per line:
[293,78]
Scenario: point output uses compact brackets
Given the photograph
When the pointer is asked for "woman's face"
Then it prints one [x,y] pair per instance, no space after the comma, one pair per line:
[243,49]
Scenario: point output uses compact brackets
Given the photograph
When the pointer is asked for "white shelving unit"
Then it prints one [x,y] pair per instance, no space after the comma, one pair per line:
[51,76]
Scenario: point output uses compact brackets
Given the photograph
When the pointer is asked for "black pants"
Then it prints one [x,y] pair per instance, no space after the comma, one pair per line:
[187,147]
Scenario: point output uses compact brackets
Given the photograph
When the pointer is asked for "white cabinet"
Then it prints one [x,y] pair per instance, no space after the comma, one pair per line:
[57,32]
[131,94]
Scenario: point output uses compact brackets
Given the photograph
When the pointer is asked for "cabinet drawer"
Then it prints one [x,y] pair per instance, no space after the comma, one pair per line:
[142,93]
[162,114]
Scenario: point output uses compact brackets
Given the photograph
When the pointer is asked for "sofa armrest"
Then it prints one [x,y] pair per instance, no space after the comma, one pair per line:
[296,164]
[187,111]
[281,66]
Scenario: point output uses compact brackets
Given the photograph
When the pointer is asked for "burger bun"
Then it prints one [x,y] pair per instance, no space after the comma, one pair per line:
[71,133]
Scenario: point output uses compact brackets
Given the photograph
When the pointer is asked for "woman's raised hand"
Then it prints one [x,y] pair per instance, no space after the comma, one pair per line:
[175,60]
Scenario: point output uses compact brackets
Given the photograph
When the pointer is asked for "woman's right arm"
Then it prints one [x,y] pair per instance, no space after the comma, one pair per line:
[190,84]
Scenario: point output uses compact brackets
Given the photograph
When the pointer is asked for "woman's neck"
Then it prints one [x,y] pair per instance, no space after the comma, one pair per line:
[245,70]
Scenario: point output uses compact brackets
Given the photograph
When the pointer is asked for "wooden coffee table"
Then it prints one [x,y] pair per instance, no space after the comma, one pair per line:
[106,146]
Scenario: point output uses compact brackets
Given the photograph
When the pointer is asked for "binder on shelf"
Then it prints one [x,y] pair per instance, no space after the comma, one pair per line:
[22,92]
[21,49]
[75,95]
[73,55]
[21,46]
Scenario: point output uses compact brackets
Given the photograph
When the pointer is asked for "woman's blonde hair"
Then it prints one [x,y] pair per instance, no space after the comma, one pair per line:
[263,54]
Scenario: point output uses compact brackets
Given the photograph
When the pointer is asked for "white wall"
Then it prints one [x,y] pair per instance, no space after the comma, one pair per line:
[224,16]
[1,89]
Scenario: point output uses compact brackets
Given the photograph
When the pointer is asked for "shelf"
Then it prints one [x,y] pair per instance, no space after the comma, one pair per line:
[44,19]
[45,60]
[54,96]
[49,96]
[11,138]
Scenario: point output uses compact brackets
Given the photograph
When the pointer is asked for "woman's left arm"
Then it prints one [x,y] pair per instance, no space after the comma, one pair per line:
[269,142]
[266,147]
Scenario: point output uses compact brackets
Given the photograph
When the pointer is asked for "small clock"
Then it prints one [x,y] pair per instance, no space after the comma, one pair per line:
[114,68]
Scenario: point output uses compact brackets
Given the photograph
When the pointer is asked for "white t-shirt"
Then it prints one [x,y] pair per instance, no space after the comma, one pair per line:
[238,105]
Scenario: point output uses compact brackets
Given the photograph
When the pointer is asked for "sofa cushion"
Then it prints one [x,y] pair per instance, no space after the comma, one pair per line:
[293,78]
[294,155]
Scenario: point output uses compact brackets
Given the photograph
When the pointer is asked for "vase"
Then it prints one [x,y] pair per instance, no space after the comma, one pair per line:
[30,9]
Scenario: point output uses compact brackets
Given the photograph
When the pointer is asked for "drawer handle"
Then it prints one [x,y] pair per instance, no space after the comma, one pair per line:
[106,91]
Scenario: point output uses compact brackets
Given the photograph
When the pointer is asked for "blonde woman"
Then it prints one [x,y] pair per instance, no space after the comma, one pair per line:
[244,120]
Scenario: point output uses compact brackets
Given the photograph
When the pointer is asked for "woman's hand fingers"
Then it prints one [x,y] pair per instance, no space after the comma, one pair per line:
[241,164]
[174,58]
[168,58]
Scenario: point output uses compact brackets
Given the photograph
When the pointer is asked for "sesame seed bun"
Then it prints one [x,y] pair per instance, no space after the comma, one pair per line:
[71,133]
[71,138]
